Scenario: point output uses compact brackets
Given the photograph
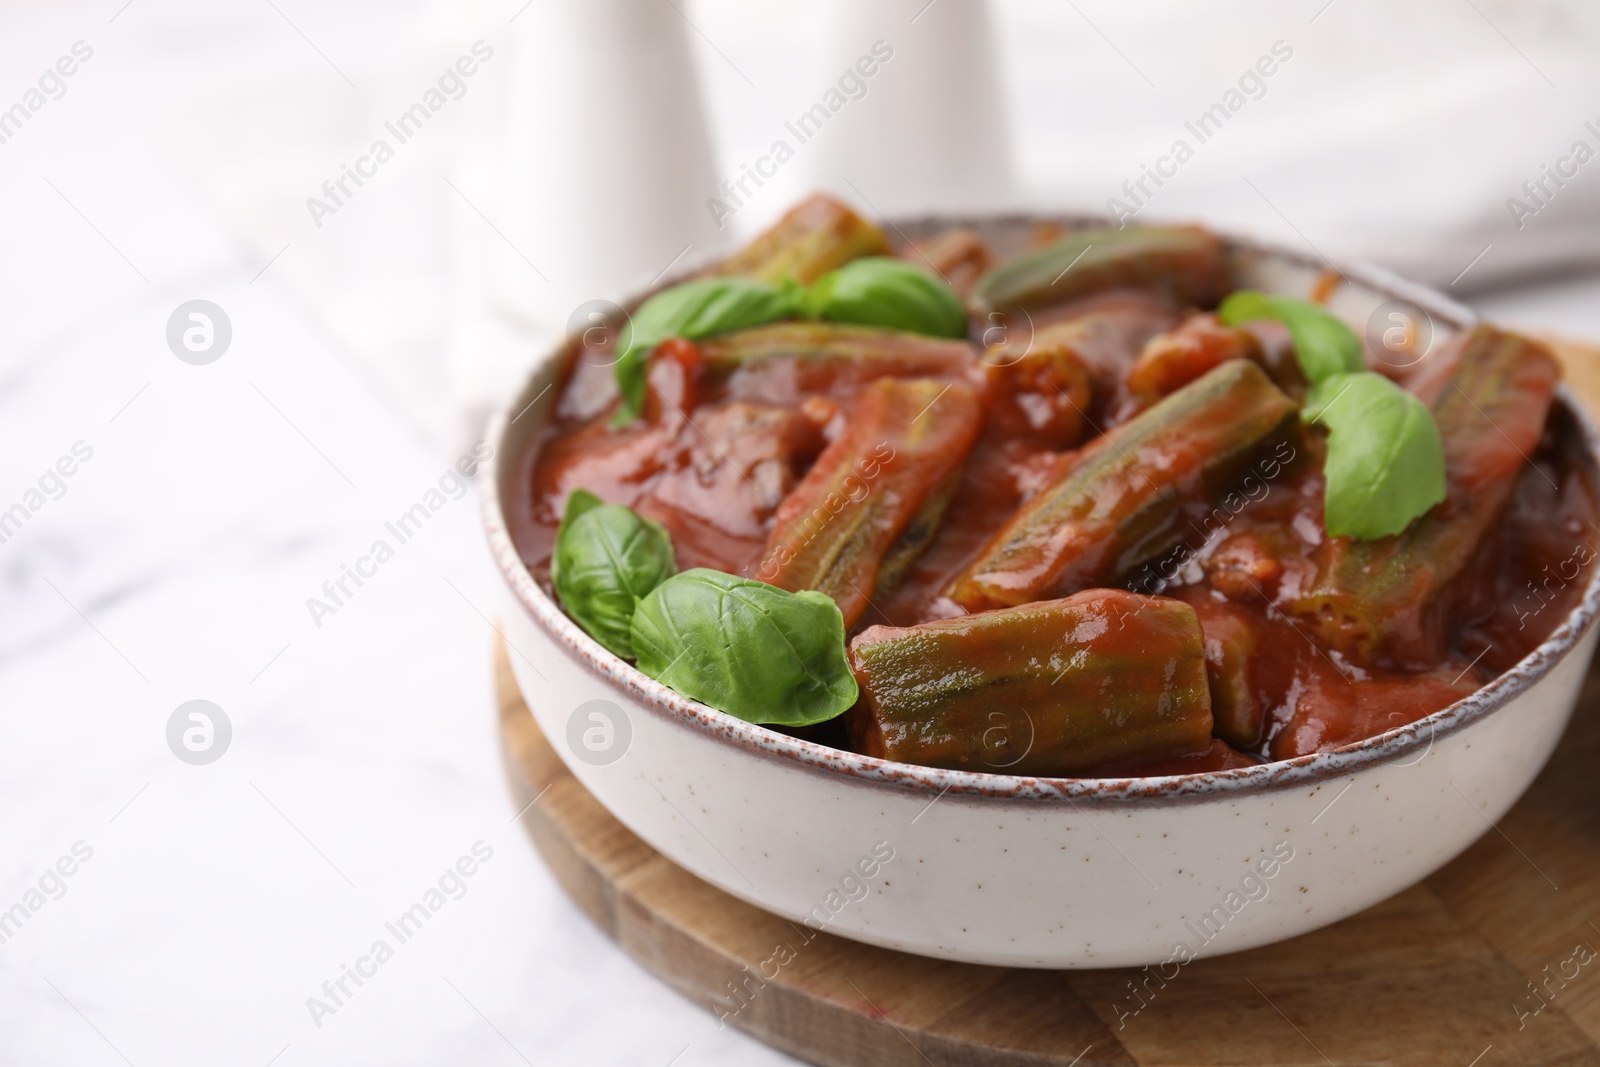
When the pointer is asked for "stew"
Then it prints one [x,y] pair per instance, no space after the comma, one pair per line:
[1091,542]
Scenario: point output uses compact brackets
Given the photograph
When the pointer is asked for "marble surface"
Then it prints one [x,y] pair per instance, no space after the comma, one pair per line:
[207,905]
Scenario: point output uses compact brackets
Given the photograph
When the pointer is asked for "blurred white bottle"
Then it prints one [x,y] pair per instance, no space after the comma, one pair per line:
[930,132]
[608,156]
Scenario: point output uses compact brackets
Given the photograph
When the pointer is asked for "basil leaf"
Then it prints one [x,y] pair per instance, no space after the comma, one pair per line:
[1385,462]
[693,310]
[884,291]
[1323,344]
[607,558]
[750,649]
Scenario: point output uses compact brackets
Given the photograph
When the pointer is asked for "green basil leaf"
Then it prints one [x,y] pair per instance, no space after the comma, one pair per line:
[1385,462]
[1323,344]
[750,649]
[607,559]
[884,291]
[696,309]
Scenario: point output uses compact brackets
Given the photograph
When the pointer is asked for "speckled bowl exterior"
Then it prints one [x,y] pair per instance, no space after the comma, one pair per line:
[1035,872]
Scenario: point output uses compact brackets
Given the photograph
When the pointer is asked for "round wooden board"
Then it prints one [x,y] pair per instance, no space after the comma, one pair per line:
[1444,973]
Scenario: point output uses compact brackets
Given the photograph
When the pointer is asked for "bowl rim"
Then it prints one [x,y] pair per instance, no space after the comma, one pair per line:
[1390,746]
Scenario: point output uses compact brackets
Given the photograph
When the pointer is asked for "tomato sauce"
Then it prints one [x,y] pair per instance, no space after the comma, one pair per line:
[716,454]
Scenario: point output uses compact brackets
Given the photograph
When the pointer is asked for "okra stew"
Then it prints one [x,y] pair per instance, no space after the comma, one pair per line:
[1081,507]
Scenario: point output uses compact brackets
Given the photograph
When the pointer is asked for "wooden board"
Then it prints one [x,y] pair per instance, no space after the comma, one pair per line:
[1433,976]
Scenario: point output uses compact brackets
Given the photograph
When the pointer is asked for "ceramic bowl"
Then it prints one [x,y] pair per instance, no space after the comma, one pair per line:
[1035,872]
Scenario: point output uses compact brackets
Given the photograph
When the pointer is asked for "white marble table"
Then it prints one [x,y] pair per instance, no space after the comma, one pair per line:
[176,561]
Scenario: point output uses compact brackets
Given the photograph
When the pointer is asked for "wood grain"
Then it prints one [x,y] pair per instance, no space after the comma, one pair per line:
[1432,976]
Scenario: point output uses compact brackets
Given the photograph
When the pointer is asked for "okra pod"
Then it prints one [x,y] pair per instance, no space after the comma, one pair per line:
[1105,333]
[1123,499]
[1173,360]
[1040,393]
[958,256]
[1386,602]
[814,237]
[1060,687]
[779,362]
[1238,715]
[874,498]
[917,536]
[1187,264]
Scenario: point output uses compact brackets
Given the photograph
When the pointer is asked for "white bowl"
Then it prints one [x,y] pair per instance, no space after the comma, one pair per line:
[1035,872]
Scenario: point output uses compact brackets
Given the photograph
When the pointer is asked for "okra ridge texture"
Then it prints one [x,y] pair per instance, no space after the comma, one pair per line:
[844,529]
[1187,263]
[1102,678]
[1122,499]
[1388,602]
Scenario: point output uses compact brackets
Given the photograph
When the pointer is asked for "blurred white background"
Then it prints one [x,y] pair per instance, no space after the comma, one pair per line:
[176,163]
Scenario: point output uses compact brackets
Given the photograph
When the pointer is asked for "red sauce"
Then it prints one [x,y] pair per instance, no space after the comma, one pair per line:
[712,462]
